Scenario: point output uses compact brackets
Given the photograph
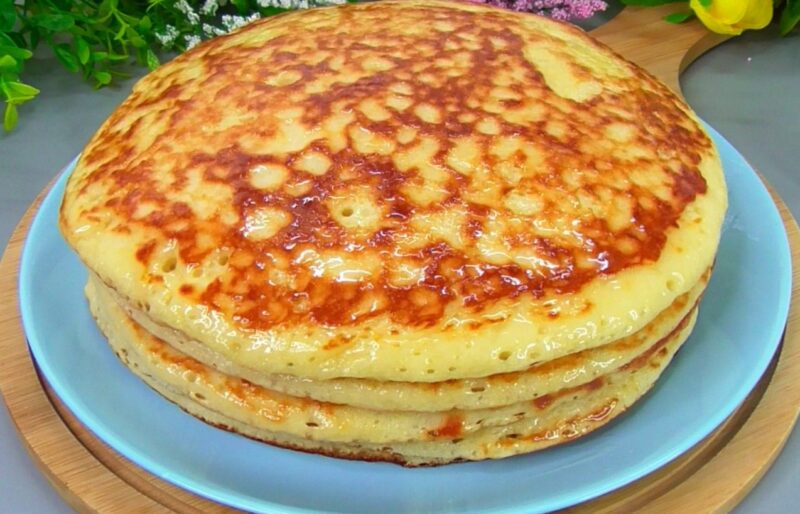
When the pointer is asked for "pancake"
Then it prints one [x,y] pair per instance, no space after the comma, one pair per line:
[415,191]
[492,391]
[266,412]
[569,418]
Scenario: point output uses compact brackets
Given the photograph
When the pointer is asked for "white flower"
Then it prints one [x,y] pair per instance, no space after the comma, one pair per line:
[192,41]
[296,4]
[233,22]
[230,22]
[209,8]
[211,31]
[184,7]
[283,4]
[168,37]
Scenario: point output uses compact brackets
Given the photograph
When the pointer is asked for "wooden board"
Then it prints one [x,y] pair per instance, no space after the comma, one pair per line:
[712,477]
[642,36]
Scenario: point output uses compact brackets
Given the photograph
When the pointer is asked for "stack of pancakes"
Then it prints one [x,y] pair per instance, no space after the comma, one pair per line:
[414,231]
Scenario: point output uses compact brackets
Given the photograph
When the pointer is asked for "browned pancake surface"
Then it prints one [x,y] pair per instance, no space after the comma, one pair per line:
[393,160]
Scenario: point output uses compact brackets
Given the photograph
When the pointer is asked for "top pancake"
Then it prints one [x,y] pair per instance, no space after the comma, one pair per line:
[413,191]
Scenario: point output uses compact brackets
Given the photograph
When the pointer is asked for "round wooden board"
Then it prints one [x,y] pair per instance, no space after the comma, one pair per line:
[712,477]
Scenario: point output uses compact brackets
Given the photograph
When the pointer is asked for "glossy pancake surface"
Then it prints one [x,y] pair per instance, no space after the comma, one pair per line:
[411,191]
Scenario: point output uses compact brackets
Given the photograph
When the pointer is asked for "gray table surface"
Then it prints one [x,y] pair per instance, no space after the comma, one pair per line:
[748,89]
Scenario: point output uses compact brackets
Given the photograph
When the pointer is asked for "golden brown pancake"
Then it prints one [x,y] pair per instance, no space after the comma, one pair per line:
[405,191]
[485,392]
[239,403]
[417,231]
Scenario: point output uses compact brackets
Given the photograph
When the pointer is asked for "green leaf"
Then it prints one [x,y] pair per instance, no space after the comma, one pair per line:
[134,38]
[8,15]
[151,59]
[145,23]
[35,39]
[19,54]
[117,57]
[18,40]
[66,57]
[10,118]
[789,17]
[103,78]
[649,3]
[77,30]
[120,74]
[154,3]
[53,22]
[705,3]
[82,50]
[106,7]
[241,6]
[19,90]
[6,40]
[679,17]
[8,64]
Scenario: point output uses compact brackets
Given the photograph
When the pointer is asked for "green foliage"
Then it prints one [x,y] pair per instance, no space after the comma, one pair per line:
[10,116]
[790,16]
[12,91]
[8,15]
[679,17]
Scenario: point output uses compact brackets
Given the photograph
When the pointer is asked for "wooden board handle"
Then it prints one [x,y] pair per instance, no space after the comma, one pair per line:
[641,35]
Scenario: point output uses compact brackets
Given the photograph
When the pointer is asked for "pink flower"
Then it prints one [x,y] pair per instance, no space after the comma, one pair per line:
[564,10]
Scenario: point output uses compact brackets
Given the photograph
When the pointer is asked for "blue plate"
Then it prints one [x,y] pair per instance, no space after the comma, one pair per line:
[740,326]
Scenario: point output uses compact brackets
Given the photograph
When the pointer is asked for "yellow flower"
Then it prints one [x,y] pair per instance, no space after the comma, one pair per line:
[733,16]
